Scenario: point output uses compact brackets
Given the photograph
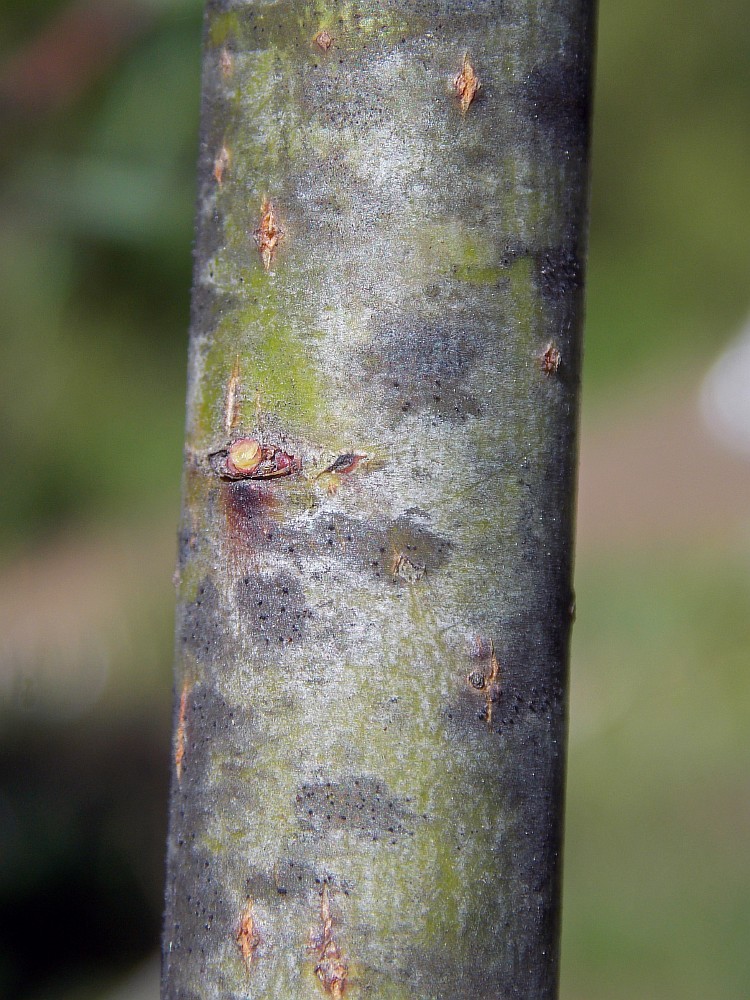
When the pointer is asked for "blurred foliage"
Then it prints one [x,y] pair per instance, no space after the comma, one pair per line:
[670,253]
[96,209]
[95,259]
[657,893]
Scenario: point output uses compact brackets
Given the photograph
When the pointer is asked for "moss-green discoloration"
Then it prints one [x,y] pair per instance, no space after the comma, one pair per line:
[292,26]
[224,28]
[450,250]
[276,371]
[273,359]
[427,258]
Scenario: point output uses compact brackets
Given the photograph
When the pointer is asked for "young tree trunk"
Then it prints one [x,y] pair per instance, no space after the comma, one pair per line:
[376,547]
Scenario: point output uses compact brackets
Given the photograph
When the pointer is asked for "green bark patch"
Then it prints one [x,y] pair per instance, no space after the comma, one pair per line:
[292,26]
[451,250]
[225,27]
[524,304]
[274,362]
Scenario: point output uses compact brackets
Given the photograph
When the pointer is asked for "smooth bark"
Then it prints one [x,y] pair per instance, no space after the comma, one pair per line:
[374,596]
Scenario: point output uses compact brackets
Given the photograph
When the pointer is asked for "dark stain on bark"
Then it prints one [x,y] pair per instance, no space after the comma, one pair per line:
[200,911]
[212,724]
[250,516]
[423,367]
[199,906]
[555,96]
[187,544]
[377,545]
[200,629]
[558,273]
[333,102]
[421,546]
[252,527]
[532,655]
[362,805]
[293,876]
[273,608]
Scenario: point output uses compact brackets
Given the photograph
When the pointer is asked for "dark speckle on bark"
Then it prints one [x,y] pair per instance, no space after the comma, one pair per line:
[294,877]
[376,545]
[211,722]
[424,367]
[200,629]
[556,97]
[272,608]
[199,902]
[361,805]
[558,272]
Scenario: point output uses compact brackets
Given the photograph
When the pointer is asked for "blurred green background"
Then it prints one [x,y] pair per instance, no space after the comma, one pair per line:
[98,112]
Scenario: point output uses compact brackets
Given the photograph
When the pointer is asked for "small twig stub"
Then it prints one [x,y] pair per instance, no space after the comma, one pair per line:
[331,969]
[247,458]
[221,163]
[402,568]
[346,463]
[324,40]
[248,936]
[467,85]
[269,234]
[550,359]
[486,682]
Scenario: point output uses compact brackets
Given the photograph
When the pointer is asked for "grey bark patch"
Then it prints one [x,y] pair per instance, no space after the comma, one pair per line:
[361,805]
[420,367]
[208,302]
[273,609]
[200,628]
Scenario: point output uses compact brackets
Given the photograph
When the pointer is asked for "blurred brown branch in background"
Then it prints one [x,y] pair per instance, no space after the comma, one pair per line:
[71,51]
